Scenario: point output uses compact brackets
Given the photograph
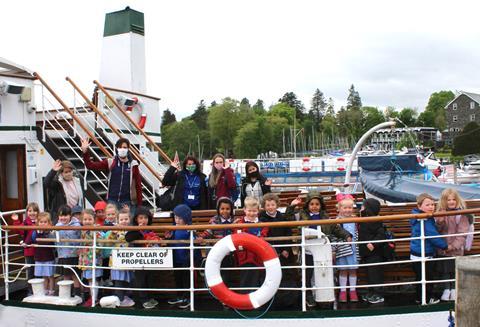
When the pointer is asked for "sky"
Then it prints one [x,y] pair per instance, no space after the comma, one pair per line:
[396,53]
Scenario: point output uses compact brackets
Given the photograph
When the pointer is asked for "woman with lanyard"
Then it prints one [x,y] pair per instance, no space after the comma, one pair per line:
[189,184]
[254,184]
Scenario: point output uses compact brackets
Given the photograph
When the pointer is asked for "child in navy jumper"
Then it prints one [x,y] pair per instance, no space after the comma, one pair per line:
[425,204]
[181,256]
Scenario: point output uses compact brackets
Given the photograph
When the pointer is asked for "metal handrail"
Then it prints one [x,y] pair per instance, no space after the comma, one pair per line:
[131,121]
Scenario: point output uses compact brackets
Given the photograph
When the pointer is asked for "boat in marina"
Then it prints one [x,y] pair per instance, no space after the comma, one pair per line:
[50,128]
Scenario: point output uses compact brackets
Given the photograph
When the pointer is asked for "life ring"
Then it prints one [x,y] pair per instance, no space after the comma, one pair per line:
[306,164]
[139,106]
[273,271]
[340,164]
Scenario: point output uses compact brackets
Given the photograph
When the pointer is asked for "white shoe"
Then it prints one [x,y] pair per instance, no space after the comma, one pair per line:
[446,295]
[453,295]
[433,301]
[127,302]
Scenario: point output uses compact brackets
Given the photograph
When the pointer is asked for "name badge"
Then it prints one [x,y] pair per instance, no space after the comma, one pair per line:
[191,197]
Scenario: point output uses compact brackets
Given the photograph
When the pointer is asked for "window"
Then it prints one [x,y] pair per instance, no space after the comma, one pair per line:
[454,118]
[454,106]
[472,117]
[472,105]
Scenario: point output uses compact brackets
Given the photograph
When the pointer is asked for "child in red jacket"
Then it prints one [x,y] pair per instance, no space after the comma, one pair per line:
[32,211]
[246,258]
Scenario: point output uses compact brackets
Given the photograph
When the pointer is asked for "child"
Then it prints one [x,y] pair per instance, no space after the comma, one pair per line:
[85,257]
[372,252]
[346,254]
[271,214]
[30,220]
[315,209]
[66,255]
[425,204]
[121,278]
[111,215]
[44,256]
[246,258]
[143,278]
[100,207]
[181,257]
[451,201]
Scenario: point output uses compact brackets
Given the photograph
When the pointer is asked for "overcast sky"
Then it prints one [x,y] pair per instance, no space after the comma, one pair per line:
[396,54]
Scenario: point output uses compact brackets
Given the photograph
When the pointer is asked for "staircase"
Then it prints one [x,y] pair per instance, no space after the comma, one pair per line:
[59,130]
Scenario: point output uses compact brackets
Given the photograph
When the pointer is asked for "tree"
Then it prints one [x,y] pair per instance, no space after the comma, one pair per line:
[371,117]
[353,100]
[291,99]
[200,115]
[330,109]
[245,102]
[436,106]
[426,119]
[391,112]
[167,118]
[180,136]
[317,110]
[259,108]
[408,117]
[468,141]
[283,110]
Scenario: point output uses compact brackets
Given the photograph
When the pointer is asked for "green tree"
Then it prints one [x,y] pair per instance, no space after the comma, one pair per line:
[180,136]
[468,142]
[317,110]
[408,116]
[436,105]
[353,100]
[200,115]
[330,109]
[426,119]
[259,108]
[291,99]
[371,117]
[245,101]
[283,110]
[391,112]
[167,118]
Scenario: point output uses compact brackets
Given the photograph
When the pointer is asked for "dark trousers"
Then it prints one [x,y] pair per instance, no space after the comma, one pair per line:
[374,273]
[143,279]
[120,293]
[182,280]
[31,269]
[250,277]
[446,270]
[308,271]
[429,272]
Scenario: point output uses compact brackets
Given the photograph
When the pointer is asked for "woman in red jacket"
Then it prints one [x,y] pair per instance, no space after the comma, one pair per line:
[221,181]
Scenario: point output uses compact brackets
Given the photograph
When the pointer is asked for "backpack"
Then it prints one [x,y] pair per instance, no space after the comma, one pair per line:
[471,229]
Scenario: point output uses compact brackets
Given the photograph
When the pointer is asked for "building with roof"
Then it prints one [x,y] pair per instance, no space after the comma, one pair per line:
[463,109]
[385,138]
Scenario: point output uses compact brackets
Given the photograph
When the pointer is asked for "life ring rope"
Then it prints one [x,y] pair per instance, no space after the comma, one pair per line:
[273,271]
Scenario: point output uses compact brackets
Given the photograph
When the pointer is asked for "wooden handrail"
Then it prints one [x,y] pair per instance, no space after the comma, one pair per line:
[131,92]
[84,128]
[136,154]
[150,141]
[18,76]
[253,225]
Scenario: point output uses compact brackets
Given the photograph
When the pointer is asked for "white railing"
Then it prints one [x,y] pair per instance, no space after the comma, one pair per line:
[192,245]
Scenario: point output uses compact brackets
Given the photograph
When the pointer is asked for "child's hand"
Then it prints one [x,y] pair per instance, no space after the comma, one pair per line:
[296,201]
[370,246]
[167,234]
[57,165]
[14,217]
[268,182]
[285,254]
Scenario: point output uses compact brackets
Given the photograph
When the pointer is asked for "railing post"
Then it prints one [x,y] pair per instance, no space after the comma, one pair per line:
[94,265]
[422,251]
[192,271]
[304,293]
[5,273]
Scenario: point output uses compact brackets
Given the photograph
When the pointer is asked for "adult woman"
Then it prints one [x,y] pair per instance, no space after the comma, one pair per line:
[63,188]
[221,181]
[189,184]
[124,179]
[254,184]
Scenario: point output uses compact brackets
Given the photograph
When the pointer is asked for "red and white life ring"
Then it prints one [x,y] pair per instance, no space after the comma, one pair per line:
[273,271]
[340,164]
[420,160]
[138,105]
[306,164]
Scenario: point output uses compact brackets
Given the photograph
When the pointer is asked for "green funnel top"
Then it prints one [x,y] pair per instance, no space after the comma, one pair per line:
[124,21]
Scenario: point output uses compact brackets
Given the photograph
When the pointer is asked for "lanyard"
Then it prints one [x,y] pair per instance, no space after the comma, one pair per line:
[190,185]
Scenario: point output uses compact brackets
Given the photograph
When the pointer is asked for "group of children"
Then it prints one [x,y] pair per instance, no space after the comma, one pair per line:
[74,259]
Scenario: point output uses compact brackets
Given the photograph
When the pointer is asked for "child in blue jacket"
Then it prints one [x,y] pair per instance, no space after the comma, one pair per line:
[181,257]
[425,204]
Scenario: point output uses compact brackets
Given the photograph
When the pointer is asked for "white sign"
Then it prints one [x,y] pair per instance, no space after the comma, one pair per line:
[144,258]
